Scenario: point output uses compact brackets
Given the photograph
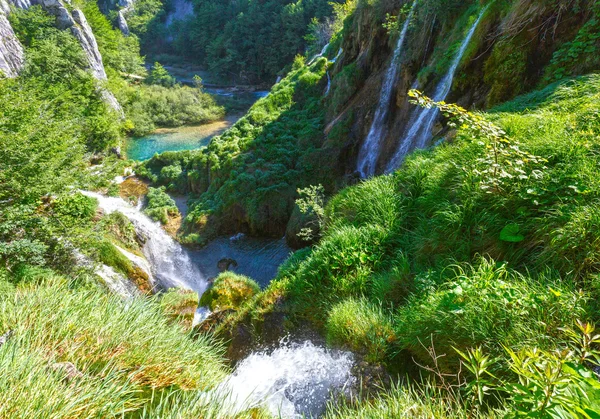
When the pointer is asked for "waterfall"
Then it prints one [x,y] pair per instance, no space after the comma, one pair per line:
[422,119]
[293,381]
[169,262]
[371,147]
[320,54]
[328,84]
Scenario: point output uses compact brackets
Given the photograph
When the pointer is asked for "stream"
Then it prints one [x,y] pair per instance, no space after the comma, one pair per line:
[293,380]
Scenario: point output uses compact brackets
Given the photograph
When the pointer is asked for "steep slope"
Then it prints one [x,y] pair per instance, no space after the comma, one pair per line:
[474,53]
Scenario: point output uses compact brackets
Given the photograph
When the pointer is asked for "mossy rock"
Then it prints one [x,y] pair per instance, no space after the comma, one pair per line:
[180,305]
[229,291]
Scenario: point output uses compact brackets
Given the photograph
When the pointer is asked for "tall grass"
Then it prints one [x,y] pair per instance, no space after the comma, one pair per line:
[128,353]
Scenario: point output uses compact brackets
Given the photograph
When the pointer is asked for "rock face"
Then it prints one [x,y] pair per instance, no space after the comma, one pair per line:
[11,50]
[122,23]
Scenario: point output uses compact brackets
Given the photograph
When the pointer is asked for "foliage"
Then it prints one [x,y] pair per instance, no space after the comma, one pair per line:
[248,42]
[229,291]
[312,203]
[249,175]
[159,75]
[580,52]
[150,106]
[160,206]
[75,207]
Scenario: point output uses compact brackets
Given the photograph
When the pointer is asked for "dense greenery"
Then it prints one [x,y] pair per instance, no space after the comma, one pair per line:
[249,42]
[407,262]
[275,148]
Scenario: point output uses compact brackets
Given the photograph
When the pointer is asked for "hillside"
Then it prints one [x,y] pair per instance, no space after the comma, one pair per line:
[433,164]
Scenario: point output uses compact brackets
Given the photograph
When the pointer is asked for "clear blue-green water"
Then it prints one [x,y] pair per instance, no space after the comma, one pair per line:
[183,138]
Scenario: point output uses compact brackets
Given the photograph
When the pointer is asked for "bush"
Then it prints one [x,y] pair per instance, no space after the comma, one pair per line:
[75,207]
[160,205]
[229,291]
[362,327]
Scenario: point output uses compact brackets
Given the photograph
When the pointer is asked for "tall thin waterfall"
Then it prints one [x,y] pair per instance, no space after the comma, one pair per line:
[422,119]
[371,147]
[170,263]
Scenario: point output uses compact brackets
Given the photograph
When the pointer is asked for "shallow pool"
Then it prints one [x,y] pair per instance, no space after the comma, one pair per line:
[175,139]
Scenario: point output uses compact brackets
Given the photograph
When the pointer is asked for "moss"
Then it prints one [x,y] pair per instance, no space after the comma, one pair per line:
[229,291]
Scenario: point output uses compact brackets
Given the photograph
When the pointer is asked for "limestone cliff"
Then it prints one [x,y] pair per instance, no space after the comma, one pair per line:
[12,52]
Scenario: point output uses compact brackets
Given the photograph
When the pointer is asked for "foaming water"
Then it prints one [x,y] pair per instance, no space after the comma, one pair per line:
[422,119]
[371,147]
[169,262]
[293,381]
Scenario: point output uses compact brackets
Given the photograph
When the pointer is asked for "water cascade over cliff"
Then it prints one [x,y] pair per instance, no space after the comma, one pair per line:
[418,131]
[293,381]
[170,263]
[371,147]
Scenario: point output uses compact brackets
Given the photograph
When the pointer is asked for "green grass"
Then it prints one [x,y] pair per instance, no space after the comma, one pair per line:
[127,352]
[425,246]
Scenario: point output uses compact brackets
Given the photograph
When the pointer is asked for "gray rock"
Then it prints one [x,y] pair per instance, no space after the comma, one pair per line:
[5,337]
[122,23]
[11,50]
[11,53]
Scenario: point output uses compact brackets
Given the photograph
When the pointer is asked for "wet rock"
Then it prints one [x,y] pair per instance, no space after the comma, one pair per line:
[225,263]
[69,369]
[213,321]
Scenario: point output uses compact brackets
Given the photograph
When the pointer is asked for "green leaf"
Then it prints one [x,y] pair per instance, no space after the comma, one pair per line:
[510,233]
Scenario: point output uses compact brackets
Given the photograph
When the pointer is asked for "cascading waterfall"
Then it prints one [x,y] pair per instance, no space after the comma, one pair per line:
[293,381]
[422,119]
[170,263]
[371,147]
[320,54]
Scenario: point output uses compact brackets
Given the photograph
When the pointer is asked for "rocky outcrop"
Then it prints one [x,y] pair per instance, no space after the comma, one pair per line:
[11,50]
[122,23]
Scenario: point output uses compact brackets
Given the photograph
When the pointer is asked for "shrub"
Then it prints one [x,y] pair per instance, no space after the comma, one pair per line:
[75,207]
[160,205]
[229,291]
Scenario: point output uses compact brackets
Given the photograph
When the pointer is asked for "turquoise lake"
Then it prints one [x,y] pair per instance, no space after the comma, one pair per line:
[176,139]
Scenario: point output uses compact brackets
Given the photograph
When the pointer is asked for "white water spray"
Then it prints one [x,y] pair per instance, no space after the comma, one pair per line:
[293,381]
[371,147]
[170,263]
[422,119]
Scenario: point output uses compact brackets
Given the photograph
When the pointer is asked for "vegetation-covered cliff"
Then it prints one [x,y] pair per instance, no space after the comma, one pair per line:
[453,252]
